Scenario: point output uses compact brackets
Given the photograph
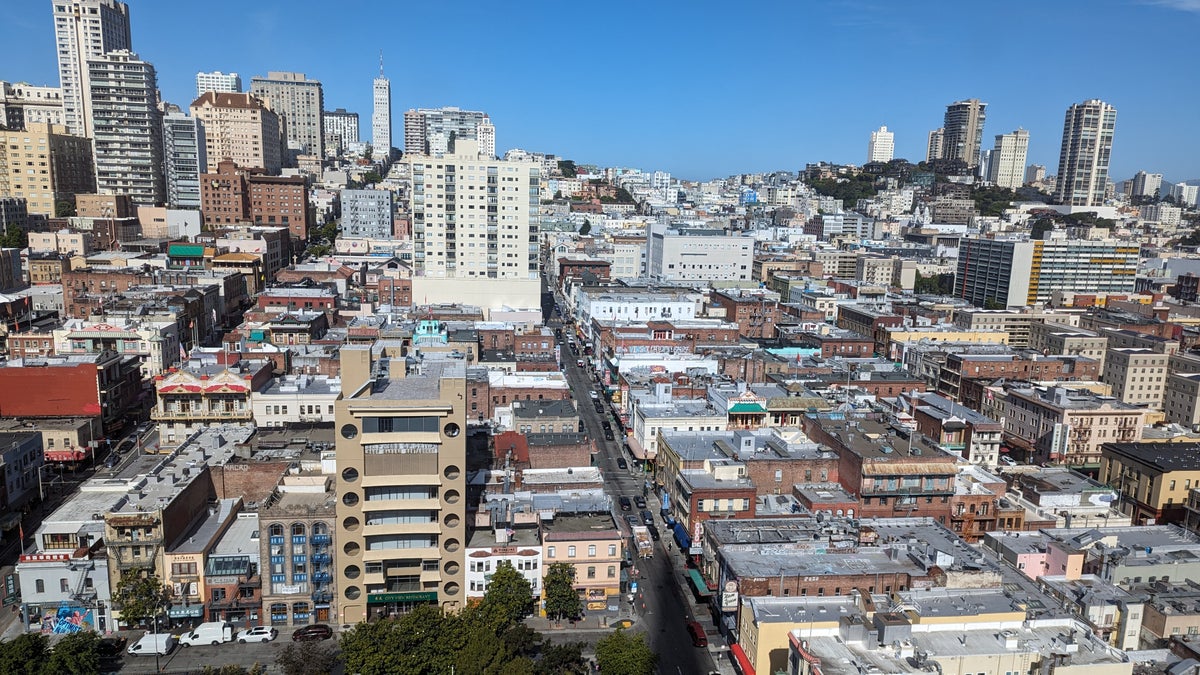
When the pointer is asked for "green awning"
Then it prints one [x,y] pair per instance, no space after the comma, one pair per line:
[747,408]
[186,250]
[698,583]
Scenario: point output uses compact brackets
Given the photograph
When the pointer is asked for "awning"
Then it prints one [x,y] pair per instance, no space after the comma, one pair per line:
[740,660]
[681,536]
[747,408]
[699,584]
[635,448]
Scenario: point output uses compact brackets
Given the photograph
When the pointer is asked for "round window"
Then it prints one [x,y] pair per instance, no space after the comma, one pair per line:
[350,498]
[352,592]
[451,567]
[352,571]
[452,429]
[349,431]
[350,474]
[352,548]
[452,588]
[451,496]
[451,545]
[452,472]
[350,524]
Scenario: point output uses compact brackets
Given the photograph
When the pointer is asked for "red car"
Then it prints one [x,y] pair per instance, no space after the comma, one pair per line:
[317,631]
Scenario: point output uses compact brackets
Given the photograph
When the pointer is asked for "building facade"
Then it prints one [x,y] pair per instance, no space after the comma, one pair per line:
[299,102]
[1007,166]
[68,158]
[340,128]
[1010,272]
[240,128]
[381,114]
[127,127]
[474,217]
[85,29]
[217,81]
[22,103]
[963,131]
[1084,157]
[366,214]
[428,131]
[184,153]
[882,146]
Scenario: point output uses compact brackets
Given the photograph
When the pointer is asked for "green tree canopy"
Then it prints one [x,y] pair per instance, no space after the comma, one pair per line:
[586,228]
[992,200]
[26,653]
[849,189]
[14,237]
[563,659]
[140,597]
[624,653]
[255,669]
[567,167]
[510,593]
[562,601]
[77,653]
[305,658]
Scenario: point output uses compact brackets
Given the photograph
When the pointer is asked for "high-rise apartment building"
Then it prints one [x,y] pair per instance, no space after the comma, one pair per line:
[1035,173]
[85,29]
[217,81]
[341,129]
[241,128]
[485,133]
[299,102]
[428,131]
[1146,184]
[1016,273]
[381,114]
[1086,150]
[23,103]
[366,214]
[882,146]
[127,127]
[963,133]
[1006,168]
[933,148]
[402,489]
[1185,195]
[67,160]
[184,155]
[474,216]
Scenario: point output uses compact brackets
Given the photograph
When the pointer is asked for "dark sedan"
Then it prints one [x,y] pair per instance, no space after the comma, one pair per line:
[317,631]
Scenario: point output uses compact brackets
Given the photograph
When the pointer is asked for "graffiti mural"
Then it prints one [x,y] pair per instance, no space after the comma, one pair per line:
[67,620]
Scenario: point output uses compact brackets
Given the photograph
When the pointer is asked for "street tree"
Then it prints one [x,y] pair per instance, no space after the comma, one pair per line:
[624,653]
[424,640]
[562,601]
[509,593]
[140,596]
[76,653]
[561,659]
[303,658]
[26,653]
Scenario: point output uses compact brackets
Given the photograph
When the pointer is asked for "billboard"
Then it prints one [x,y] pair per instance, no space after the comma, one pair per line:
[67,619]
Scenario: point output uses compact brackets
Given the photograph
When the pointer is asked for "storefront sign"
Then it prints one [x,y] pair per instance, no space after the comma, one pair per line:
[421,596]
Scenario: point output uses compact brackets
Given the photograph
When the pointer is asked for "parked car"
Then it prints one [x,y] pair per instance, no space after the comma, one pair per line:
[598,406]
[579,362]
[632,520]
[696,631]
[111,646]
[1007,461]
[208,633]
[257,634]
[654,533]
[647,518]
[317,631]
[606,424]
[594,395]
[626,505]
[113,459]
[622,464]
[608,434]
[640,501]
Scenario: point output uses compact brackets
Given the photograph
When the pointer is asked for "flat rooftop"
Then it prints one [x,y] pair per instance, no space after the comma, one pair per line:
[1162,457]
[241,537]
[576,527]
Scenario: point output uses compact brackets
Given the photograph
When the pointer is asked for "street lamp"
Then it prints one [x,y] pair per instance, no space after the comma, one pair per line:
[157,607]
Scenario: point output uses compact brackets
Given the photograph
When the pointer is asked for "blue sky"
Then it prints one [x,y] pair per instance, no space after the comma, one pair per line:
[701,89]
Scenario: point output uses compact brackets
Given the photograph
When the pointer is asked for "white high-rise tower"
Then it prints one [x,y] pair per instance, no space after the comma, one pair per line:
[1086,149]
[882,146]
[1007,167]
[85,29]
[381,115]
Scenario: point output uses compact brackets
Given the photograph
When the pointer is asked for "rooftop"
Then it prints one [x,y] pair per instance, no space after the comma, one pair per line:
[1160,457]
[576,527]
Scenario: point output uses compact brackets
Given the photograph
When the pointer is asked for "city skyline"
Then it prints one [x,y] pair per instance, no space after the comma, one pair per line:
[683,123]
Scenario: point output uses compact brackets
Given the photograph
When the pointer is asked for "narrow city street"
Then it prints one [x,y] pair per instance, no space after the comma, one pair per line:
[661,605]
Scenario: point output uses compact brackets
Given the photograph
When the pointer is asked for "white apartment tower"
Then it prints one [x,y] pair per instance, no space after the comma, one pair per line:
[299,103]
[486,134]
[84,29]
[428,131]
[381,114]
[1086,150]
[184,156]
[341,129]
[127,127]
[474,216]
[1007,166]
[217,81]
[933,149]
[1146,184]
[882,146]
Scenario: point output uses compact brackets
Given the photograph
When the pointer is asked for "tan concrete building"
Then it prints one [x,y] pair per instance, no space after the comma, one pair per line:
[44,165]
[401,456]
[240,128]
[64,242]
[1064,426]
[1137,376]
[1058,338]
[1153,479]
[1181,395]
[594,547]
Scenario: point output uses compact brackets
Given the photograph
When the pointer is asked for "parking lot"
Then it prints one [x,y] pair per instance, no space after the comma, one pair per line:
[195,659]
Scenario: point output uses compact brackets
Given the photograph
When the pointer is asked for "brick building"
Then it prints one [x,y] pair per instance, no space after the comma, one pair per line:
[756,312]
[233,194]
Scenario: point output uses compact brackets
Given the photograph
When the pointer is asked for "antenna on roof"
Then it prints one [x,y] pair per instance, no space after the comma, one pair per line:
[381,63]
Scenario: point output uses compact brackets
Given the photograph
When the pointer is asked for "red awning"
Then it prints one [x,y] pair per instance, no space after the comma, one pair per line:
[740,660]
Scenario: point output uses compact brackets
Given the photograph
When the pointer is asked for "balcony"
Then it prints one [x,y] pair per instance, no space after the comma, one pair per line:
[322,578]
[322,539]
[322,597]
[322,559]
[900,491]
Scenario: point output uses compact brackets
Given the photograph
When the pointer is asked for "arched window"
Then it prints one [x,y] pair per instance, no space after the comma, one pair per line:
[320,528]
[276,530]
[297,529]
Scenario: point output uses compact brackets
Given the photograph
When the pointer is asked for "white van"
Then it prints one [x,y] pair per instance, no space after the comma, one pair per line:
[208,633]
[153,643]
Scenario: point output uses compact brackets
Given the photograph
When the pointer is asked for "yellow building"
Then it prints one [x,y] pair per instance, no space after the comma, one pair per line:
[594,547]
[1154,479]
[44,165]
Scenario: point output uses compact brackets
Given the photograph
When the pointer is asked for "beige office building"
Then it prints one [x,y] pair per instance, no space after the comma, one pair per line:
[1137,376]
[401,459]
[43,164]
[238,127]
